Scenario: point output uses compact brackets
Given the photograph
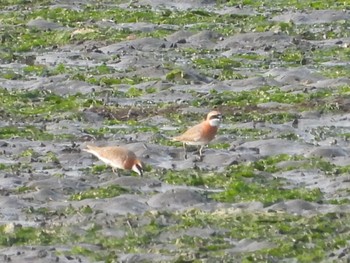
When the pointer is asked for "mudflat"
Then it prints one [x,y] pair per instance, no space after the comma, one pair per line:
[271,187]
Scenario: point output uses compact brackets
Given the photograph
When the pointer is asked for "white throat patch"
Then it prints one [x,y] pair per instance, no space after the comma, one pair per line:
[215,122]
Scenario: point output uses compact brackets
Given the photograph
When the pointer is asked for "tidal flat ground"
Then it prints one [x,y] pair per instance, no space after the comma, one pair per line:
[272,187]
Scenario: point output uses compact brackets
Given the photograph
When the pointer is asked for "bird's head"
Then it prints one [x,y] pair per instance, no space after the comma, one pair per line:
[137,167]
[214,118]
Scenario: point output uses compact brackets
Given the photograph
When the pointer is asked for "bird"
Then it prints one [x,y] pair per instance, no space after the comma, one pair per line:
[202,133]
[117,157]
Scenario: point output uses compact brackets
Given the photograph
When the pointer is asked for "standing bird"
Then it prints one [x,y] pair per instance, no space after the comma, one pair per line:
[117,157]
[201,134]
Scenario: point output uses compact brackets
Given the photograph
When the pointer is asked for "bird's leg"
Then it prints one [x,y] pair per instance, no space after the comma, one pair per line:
[200,153]
[199,157]
[185,151]
[200,150]
[115,171]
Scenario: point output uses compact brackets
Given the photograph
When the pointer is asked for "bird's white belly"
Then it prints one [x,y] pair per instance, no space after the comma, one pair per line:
[196,143]
[111,163]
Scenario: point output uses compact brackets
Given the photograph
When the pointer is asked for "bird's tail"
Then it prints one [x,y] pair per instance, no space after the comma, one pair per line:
[89,149]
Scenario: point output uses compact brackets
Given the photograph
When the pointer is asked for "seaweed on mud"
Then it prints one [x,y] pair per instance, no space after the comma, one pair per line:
[256,207]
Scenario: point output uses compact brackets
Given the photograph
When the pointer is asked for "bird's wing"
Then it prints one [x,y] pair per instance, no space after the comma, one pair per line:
[192,134]
[112,152]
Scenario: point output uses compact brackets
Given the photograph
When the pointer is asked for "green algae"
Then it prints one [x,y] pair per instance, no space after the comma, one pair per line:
[218,63]
[43,104]
[99,193]
[24,189]
[121,128]
[285,234]
[176,75]
[282,4]
[133,92]
[255,181]
[244,133]
[111,81]
[241,191]
[245,182]
[31,133]
[335,71]
[249,103]
[251,98]
[29,153]
[220,145]
[33,38]
[310,238]
[67,211]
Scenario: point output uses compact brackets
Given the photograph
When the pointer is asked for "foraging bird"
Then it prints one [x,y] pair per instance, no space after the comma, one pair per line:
[117,157]
[201,134]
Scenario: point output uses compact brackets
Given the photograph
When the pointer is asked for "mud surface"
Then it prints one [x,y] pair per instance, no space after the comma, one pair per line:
[47,185]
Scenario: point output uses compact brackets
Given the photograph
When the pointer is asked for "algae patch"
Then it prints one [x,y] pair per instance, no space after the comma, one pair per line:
[99,193]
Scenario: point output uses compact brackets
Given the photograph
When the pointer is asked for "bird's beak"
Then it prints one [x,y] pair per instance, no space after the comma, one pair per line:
[139,169]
